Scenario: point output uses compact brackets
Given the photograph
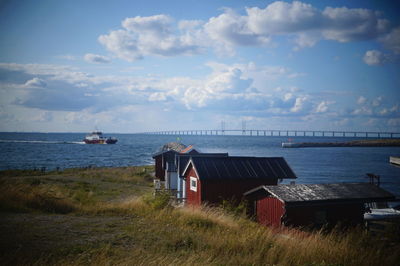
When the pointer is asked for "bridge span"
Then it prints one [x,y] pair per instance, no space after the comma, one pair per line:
[278,133]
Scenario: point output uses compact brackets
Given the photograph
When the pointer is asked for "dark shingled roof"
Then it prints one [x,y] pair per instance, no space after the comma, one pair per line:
[242,168]
[174,147]
[184,159]
[325,192]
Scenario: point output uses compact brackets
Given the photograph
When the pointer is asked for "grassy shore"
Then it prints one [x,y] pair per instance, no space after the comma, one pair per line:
[107,216]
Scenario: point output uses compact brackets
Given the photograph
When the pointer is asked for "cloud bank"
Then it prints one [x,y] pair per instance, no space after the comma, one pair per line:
[231,91]
[160,35]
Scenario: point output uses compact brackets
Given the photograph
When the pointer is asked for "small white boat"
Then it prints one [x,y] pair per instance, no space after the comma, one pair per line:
[381,214]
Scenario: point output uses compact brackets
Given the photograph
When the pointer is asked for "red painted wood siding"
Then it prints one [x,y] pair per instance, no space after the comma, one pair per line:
[269,211]
[192,197]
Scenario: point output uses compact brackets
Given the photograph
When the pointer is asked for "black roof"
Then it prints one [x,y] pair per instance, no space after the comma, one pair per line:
[301,193]
[184,159]
[241,167]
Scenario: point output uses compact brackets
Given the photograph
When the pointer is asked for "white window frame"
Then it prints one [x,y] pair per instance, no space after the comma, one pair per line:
[193,179]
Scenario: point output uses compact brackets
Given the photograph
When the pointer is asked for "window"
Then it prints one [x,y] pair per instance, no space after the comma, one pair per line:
[193,183]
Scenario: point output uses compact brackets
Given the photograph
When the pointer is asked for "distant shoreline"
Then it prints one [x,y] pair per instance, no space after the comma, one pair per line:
[355,143]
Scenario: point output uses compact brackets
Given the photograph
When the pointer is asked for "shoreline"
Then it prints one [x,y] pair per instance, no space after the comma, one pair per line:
[354,143]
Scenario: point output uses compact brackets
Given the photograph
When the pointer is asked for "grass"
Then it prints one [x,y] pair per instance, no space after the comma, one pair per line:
[114,220]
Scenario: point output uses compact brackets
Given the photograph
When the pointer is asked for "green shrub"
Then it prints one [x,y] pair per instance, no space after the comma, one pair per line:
[234,208]
[160,200]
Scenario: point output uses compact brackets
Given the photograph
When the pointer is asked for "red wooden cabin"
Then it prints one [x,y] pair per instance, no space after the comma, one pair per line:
[314,205]
[213,179]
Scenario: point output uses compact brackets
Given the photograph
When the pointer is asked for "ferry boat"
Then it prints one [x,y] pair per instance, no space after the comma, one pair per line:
[96,137]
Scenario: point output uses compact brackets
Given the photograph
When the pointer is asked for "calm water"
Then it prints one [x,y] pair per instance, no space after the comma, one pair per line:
[312,165]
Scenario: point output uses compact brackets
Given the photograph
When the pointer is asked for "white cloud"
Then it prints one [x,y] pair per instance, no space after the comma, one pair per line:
[281,17]
[390,111]
[300,104]
[97,59]
[225,85]
[35,82]
[122,44]
[302,22]
[310,24]
[232,90]
[345,24]
[374,57]
[323,106]
[377,101]
[157,97]
[153,35]
[304,40]
[392,40]
[364,110]
[361,100]
[44,116]
[230,81]
[288,96]
[230,29]
[376,108]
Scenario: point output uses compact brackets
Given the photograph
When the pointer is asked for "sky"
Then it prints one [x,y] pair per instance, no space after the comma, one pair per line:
[135,66]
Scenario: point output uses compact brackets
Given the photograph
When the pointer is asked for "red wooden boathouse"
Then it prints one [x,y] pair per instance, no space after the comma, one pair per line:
[213,179]
[314,205]
[170,162]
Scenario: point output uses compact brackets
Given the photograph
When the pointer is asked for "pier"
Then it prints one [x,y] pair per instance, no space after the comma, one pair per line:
[277,133]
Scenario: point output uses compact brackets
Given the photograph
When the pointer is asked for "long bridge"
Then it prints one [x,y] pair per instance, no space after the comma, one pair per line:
[278,133]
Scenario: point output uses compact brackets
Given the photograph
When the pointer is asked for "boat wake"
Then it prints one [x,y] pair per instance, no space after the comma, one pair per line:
[41,141]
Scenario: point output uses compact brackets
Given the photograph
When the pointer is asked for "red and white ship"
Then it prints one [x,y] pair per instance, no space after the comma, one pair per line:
[96,137]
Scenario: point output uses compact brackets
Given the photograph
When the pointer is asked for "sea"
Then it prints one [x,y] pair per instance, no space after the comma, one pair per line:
[312,165]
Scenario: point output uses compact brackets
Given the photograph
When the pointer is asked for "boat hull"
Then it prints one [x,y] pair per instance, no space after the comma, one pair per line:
[100,141]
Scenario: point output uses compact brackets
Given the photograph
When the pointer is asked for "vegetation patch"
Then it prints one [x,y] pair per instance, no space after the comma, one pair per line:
[22,197]
[76,218]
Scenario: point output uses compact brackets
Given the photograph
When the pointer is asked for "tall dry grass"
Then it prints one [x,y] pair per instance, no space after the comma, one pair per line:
[25,197]
[148,231]
[209,236]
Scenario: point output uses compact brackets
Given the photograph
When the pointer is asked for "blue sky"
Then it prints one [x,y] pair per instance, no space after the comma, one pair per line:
[133,66]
